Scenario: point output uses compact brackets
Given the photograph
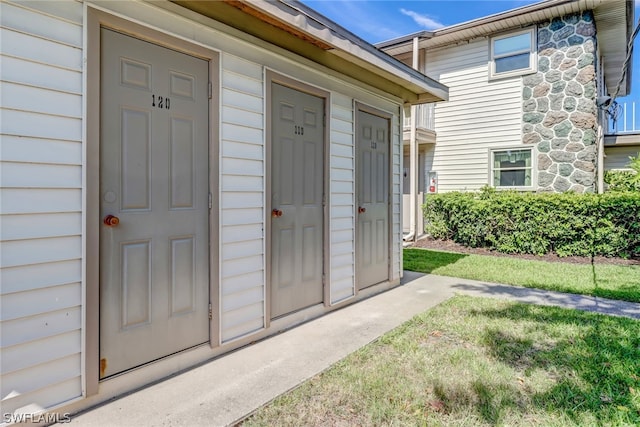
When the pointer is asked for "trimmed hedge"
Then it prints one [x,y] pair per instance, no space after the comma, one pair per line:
[567,224]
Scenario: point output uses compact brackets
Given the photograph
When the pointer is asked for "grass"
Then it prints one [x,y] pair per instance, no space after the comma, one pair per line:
[481,362]
[621,282]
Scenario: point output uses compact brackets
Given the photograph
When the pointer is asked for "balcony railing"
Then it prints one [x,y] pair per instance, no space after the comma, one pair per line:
[425,117]
[625,120]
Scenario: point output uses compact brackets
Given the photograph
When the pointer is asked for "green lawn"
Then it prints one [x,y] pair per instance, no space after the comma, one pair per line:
[608,281]
[479,362]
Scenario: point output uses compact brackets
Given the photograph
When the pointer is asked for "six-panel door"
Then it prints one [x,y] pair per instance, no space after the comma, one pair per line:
[154,169]
[296,200]
[372,245]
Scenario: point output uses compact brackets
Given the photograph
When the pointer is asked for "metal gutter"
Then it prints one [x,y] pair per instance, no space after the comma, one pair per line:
[524,10]
[475,23]
[405,39]
[630,28]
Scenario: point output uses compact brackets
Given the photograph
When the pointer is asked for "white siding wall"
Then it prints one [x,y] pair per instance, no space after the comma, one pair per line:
[42,168]
[618,157]
[41,222]
[396,197]
[479,115]
[342,199]
[241,198]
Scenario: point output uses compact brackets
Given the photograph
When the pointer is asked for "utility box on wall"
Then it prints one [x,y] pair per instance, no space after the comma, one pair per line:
[432,182]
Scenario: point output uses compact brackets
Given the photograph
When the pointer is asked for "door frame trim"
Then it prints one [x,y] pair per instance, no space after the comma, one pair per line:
[95,20]
[357,108]
[270,78]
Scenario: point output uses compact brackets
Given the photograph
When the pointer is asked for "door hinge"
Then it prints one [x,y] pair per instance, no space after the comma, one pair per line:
[210,312]
[210,201]
[210,90]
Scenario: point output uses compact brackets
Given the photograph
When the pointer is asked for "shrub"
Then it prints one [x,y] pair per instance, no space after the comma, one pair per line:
[621,180]
[567,224]
[624,180]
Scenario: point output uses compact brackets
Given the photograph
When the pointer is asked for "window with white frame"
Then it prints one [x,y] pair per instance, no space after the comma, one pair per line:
[513,54]
[512,168]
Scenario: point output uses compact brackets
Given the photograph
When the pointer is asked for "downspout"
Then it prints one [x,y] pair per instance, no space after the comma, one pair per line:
[600,165]
[601,123]
[413,160]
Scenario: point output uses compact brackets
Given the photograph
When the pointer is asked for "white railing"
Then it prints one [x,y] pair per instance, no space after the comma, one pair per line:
[425,117]
[625,119]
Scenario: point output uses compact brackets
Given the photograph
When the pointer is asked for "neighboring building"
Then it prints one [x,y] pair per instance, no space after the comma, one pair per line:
[180,179]
[528,88]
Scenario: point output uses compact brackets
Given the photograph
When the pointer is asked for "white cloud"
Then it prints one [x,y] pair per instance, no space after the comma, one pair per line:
[361,17]
[423,20]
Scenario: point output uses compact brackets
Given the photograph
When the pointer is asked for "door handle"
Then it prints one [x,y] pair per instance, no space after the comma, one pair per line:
[361,209]
[111,220]
[276,213]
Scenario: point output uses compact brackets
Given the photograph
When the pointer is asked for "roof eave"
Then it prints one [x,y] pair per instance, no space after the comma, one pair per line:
[613,52]
[476,24]
[299,29]
[351,47]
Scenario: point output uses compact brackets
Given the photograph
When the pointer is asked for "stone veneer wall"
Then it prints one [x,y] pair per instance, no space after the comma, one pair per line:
[559,108]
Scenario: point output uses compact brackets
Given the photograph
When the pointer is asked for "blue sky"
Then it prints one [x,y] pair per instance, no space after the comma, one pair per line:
[380,20]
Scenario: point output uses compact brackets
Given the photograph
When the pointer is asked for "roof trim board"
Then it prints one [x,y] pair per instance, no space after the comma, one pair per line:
[299,29]
[614,22]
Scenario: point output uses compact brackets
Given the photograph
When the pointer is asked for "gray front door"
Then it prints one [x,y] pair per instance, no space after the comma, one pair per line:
[296,200]
[154,168]
[372,246]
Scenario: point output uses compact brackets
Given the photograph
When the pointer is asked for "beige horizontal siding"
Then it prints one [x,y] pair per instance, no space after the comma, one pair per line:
[39,175]
[243,282]
[43,154]
[478,116]
[40,223]
[396,198]
[35,150]
[342,200]
[618,157]
[18,96]
[242,198]
[40,301]
[43,375]
[40,326]
[39,276]
[58,21]
[40,75]
[39,125]
[40,50]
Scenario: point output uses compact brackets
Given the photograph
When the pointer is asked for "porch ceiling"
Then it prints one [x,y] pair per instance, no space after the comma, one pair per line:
[292,26]
[423,136]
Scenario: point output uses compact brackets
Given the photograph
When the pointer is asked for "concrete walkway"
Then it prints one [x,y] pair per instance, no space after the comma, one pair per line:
[225,390]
